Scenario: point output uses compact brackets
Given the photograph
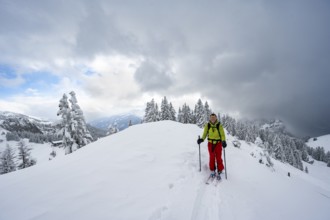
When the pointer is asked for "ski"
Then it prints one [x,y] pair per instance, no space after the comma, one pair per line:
[209,180]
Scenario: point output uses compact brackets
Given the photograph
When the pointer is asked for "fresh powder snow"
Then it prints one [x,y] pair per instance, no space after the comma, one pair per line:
[151,172]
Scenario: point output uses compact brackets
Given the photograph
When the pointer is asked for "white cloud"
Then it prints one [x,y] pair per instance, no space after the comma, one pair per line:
[14,82]
[31,91]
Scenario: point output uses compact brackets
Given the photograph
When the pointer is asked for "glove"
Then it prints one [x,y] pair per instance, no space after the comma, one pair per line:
[224,144]
[200,140]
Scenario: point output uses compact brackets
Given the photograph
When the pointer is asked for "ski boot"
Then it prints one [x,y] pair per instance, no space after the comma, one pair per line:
[218,176]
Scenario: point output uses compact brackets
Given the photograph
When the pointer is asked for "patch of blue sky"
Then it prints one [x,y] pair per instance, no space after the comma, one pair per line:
[37,81]
[40,80]
[7,72]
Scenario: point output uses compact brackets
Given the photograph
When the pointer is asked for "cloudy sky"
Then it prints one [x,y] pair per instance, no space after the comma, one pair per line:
[254,59]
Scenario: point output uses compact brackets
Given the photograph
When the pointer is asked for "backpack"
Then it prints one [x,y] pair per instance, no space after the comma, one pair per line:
[218,128]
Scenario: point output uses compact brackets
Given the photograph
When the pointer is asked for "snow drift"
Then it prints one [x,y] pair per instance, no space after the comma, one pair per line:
[150,171]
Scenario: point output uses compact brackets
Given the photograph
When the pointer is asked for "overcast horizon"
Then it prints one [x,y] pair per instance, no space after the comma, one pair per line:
[253,59]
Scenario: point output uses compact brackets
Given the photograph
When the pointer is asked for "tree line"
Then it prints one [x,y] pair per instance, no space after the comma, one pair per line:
[199,115]
[319,154]
[33,137]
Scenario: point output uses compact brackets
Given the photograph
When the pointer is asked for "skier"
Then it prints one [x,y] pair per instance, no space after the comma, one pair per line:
[216,140]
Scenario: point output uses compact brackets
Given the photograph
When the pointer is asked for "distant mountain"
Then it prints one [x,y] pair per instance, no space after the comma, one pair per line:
[15,122]
[121,120]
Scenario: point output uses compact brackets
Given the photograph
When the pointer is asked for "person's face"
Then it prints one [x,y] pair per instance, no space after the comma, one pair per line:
[213,118]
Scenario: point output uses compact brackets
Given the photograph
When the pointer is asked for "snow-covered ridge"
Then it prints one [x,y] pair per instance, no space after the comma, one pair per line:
[150,171]
[7,114]
[322,141]
[16,122]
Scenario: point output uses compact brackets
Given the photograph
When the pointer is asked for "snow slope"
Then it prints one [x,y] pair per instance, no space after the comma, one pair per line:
[322,141]
[150,171]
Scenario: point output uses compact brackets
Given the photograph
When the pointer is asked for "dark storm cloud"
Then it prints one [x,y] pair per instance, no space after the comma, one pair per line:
[152,77]
[265,59]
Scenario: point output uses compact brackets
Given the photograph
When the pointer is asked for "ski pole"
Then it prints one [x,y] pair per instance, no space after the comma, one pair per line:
[224,157]
[200,166]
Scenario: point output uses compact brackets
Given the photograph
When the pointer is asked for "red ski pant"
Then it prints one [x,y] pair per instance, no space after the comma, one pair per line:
[215,151]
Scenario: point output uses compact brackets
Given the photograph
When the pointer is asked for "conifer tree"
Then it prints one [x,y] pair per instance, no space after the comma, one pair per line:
[180,118]
[113,128]
[200,113]
[80,133]
[165,112]
[7,163]
[172,112]
[151,112]
[207,111]
[66,124]
[186,115]
[24,155]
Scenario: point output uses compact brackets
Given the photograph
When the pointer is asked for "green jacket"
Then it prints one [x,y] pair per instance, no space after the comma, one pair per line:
[213,133]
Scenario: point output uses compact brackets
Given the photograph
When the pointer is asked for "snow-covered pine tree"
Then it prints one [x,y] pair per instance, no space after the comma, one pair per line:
[66,124]
[224,121]
[327,156]
[297,156]
[318,153]
[301,146]
[113,128]
[200,113]
[180,118]
[278,148]
[189,115]
[147,113]
[207,111]
[151,112]
[241,130]
[172,112]
[252,132]
[7,163]
[186,115]
[80,133]
[289,148]
[165,112]
[24,155]
[156,113]
[230,124]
